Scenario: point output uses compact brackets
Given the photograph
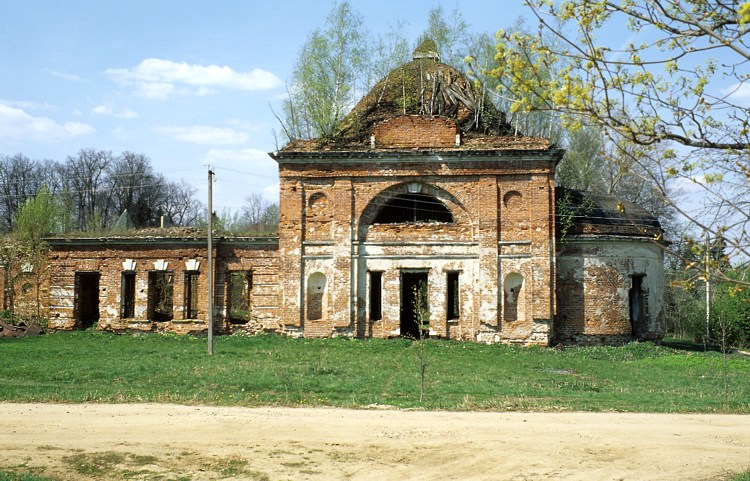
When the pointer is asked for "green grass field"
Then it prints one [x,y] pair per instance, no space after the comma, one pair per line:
[273,370]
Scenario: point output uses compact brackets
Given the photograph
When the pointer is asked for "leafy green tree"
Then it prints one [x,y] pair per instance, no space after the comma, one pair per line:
[679,89]
[388,52]
[25,251]
[451,35]
[328,76]
[39,216]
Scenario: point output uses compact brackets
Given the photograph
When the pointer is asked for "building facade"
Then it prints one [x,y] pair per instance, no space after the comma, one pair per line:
[424,213]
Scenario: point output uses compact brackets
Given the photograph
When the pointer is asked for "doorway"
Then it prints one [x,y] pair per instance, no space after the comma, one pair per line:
[637,306]
[414,300]
[86,311]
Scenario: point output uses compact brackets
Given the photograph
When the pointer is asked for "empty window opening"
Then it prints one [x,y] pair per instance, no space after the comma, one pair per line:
[411,208]
[415,306]
[511,296]
[637,305]
[239,290]
[316,288]
[190,310]
[376,295]
[127,295]
[453,305]
[86,311]
[160,295]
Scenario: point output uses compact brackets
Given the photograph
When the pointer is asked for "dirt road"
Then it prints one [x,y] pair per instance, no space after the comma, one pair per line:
[162,441]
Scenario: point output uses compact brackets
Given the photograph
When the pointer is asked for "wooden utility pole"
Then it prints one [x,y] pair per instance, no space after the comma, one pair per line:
[210,266]
[708,290]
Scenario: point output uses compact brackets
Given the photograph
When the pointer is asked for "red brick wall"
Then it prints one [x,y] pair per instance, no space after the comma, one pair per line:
[472,186]
[106,258]
[415,132]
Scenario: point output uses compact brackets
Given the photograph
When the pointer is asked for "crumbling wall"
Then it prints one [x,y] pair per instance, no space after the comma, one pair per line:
[110,258]
[415,131]
[594,290]
[328,209]
[26,291]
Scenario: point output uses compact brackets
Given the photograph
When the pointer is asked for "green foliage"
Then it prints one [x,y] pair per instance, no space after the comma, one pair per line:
[421,309]
[566,211]
[669,95]
[273,370]
[39,216]
[730,316]
[326,76]
[744,13]
[449,35]
[19,476]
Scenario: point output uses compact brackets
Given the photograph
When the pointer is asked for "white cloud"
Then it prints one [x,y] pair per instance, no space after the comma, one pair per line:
[15,124]
[158,78]
[21,104]
[124,113]
[65,75]
[205,135]
[739,92]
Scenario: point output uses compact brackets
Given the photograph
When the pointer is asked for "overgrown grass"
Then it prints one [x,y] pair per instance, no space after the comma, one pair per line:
[273,370]
[21,476]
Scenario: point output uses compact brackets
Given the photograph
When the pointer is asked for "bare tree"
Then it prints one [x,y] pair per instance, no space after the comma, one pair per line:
[259,215]
[180,206]
[133,186]
[86,173]
[19,181]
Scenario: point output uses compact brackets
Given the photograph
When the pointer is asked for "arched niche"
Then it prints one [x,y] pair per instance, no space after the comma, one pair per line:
[317,201]
[512,199]
[316,289]
[318,217]
[512,287]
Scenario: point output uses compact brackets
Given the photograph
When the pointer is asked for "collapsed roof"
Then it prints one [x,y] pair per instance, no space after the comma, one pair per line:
[579,213]
[428,88]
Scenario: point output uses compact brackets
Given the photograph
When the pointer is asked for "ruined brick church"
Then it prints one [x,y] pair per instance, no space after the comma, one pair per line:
[424,203]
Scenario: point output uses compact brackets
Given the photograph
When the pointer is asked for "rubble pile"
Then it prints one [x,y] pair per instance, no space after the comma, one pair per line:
[20,329]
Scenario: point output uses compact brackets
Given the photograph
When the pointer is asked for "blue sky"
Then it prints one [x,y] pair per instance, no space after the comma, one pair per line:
[188,83]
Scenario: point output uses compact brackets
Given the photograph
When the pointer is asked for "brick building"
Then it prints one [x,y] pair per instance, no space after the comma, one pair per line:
[424,200]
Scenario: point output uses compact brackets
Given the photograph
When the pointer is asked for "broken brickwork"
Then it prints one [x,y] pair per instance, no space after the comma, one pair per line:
[88,279]
[422,205]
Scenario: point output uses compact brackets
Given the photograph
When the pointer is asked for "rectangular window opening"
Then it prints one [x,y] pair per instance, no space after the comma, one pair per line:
[127,295]
[239,299]
[191,295]
[453,303]
[160,296]
[376,295]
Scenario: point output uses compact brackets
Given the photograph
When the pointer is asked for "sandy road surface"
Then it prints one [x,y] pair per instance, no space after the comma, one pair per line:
[162,441]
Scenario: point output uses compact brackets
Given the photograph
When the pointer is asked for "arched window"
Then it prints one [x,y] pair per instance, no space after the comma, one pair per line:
[412,208]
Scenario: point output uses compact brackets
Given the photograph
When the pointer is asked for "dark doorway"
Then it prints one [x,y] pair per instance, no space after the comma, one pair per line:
[414,299]
[160,294]
[86,311]
[637,306]
[127,295]
[376,295]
